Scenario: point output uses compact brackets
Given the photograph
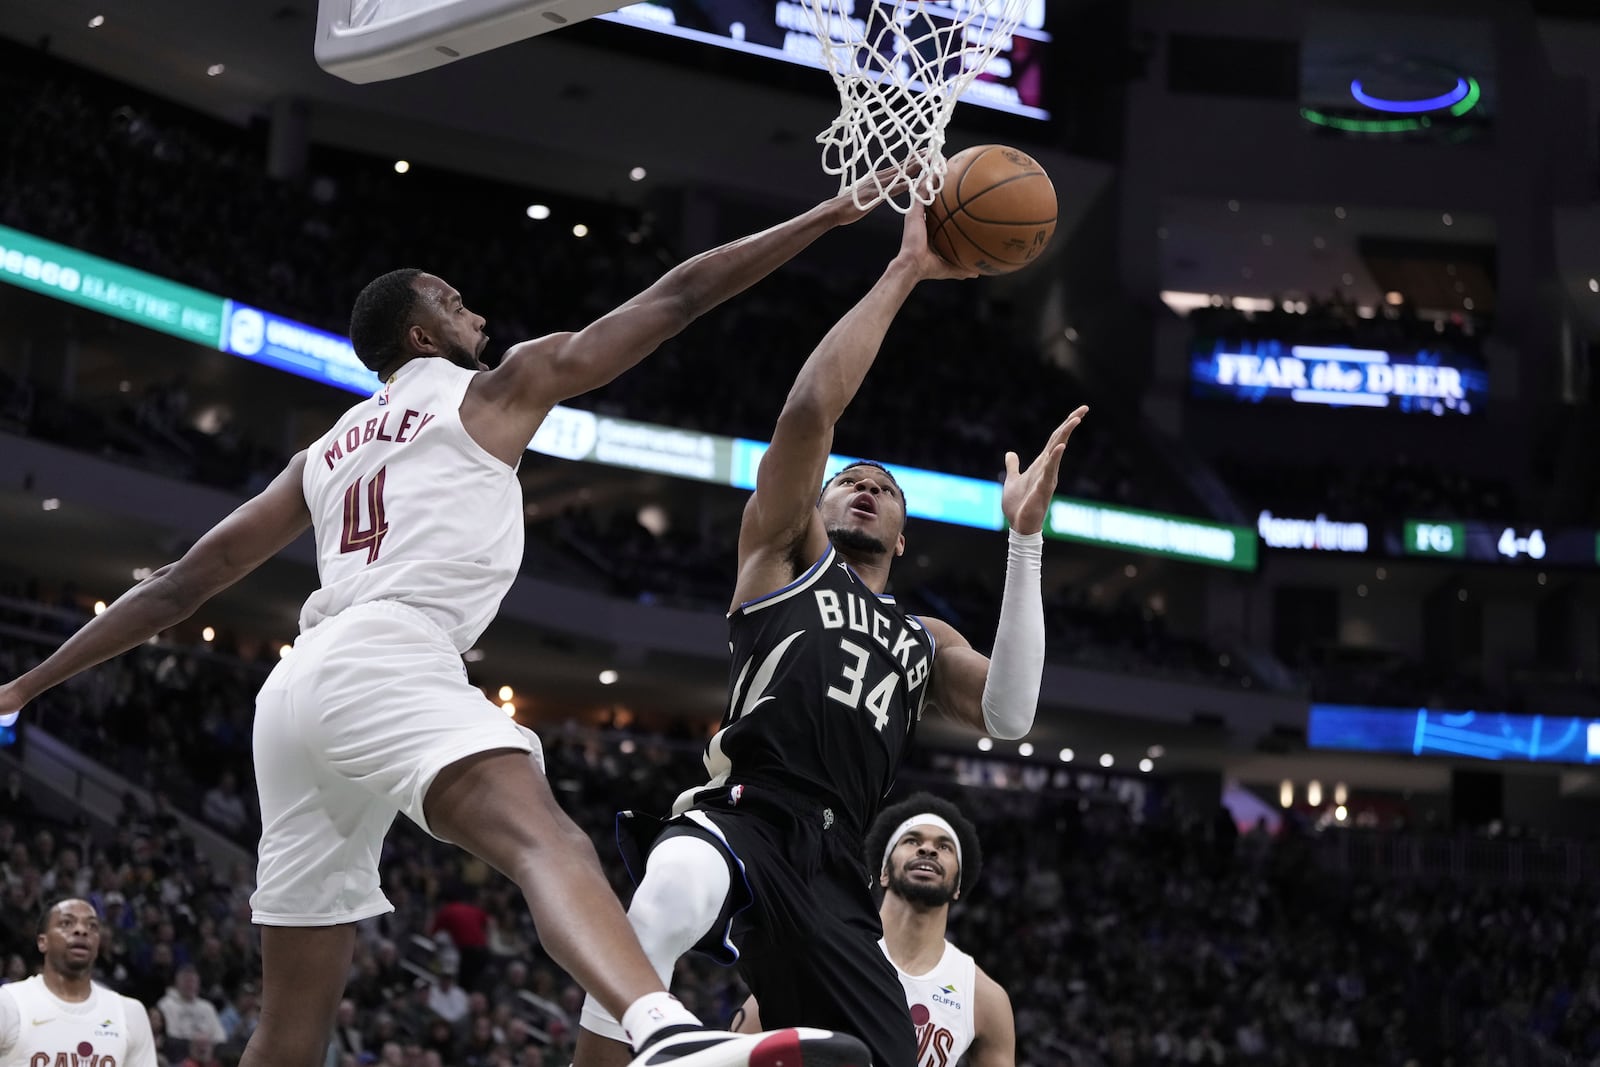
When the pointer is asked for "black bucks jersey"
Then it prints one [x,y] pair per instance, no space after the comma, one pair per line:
[827,683]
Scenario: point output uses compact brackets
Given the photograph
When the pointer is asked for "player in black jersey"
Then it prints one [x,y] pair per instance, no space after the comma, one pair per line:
[762,865]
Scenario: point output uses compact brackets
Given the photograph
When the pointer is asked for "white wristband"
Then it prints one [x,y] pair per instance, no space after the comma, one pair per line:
[1016,667]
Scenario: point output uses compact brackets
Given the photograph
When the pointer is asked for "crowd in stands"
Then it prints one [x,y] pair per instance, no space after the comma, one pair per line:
[1125,937]
[159,188]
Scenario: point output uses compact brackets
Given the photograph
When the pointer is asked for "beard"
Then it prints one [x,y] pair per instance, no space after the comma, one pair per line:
[860,541]
[462,356]
[920,893]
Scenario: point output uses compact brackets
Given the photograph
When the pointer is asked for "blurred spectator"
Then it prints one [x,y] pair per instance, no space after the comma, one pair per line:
[189,1016]
[224,807]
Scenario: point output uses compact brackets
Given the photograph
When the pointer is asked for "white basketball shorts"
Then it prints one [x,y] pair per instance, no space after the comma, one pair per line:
[351,728]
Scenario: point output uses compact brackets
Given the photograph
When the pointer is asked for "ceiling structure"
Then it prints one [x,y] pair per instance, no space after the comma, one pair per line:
[565,111]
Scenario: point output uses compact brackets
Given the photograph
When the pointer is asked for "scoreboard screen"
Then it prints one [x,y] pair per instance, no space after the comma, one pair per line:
[1014,82]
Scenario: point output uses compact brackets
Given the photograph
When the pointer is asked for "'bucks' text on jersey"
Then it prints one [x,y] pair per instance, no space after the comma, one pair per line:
[828,682]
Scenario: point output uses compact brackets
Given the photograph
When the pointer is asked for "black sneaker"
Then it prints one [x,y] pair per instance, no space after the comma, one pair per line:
[794,1047]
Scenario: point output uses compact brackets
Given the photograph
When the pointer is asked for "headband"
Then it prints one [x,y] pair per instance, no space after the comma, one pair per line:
[927,818]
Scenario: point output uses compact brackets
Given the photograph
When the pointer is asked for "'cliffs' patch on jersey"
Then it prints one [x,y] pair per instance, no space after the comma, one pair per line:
[828,682]
[407,426]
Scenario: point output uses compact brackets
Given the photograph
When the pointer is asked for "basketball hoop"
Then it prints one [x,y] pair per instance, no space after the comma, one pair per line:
[900,68]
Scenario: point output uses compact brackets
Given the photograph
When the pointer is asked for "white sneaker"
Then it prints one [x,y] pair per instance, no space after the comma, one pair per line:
[794,1047]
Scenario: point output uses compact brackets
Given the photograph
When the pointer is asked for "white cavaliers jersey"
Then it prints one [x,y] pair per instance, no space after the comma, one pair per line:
[407,506]
[942,1006]
[37,1029]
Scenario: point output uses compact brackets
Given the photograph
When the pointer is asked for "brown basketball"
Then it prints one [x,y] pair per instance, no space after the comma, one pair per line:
[996,211]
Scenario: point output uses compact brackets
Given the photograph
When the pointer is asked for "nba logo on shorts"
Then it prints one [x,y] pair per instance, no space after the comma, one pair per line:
[735,793]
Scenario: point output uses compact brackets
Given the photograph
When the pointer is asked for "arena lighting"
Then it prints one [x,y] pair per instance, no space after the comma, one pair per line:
[96,22]
[637,174]
[1147,765]
[1405,125]
[1067,755]
[1341,813]
[510,709]
[1314,793]
[401,166]
[208,635]
[608,677]
[506,692]
[215,69]
[1286,794]
[538,212]
[1411,107]
[1025,749]
[1106,759]
[51,503]
[580,230]
[984,744]
[284,650]
[99,606]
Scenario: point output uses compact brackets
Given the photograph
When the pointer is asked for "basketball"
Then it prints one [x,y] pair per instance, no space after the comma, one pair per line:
[996,211]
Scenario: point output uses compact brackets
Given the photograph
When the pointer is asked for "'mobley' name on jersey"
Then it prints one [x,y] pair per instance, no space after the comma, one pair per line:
[861,614]
[410,424]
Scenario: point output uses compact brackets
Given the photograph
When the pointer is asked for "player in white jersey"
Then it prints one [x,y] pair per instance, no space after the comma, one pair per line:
[928,854]
[62,1018]
[414,502]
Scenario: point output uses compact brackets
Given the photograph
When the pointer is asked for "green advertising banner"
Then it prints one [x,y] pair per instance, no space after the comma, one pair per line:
[1195,540]
[30,262]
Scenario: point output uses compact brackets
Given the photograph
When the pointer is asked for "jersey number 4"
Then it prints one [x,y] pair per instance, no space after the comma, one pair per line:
[355,537]
[855,673]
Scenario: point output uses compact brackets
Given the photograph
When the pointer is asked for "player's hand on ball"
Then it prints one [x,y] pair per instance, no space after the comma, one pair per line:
[1026,495]
[914,250]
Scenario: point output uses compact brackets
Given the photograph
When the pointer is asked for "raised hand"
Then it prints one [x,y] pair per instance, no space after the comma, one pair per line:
[1026,495]
[914,250]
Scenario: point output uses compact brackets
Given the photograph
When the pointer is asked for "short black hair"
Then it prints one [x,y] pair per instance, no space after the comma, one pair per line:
[875,465]
[918,804]
[55,902]
[381,316]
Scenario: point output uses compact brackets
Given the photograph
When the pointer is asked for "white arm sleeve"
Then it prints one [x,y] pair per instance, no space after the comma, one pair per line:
[141,1042]
[10,1023]
[1016,667]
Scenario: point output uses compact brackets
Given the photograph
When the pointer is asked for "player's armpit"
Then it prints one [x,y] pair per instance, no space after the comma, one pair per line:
[959,675]
[995,1042]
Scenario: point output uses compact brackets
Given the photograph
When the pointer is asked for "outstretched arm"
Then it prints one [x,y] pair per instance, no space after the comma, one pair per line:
[781,514]
[1000,694]
[536,375]
[257,530]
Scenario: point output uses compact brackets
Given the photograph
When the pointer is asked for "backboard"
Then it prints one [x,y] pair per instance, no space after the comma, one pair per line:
[372,40]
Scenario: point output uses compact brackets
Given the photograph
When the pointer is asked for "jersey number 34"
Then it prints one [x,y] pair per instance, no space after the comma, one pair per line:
[855,677]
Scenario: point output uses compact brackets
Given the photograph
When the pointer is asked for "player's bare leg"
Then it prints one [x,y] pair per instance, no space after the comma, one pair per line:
[303,972]
[498,806]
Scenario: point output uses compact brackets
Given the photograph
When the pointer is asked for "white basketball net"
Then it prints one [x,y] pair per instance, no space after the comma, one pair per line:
[900,67]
